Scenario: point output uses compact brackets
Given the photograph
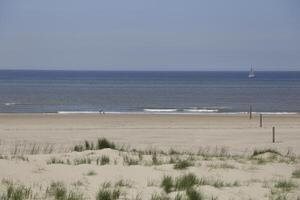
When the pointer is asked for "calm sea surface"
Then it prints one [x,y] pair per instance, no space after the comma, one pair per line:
[150,92]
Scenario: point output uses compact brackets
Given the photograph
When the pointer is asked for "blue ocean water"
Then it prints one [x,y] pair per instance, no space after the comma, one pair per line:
[150,92]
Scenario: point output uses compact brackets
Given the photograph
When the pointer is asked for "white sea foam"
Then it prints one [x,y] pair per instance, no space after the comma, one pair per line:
[201,110]
[276,113]
[159,110]
[9,104]
[78,112]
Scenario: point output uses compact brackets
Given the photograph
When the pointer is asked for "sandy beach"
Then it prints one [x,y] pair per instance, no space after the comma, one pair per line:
[185,132]
[38,149]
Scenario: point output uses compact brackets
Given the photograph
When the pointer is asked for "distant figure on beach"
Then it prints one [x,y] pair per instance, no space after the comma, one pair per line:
[101,112]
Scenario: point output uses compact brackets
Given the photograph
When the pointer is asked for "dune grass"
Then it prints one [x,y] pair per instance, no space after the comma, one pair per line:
[186,181]
[285,185]
[106,193]
[16,192]
[59,191]
[193,194]
[103,160]
[221,166]
[130,160]
[182,164]
[167,184]
[55,160]
[101,143]
[296,173]
[123,183]
[161,196]
[80,161]
[91,173]
[257,152]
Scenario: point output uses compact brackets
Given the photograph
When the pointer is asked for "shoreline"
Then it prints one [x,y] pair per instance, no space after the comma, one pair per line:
[152,113]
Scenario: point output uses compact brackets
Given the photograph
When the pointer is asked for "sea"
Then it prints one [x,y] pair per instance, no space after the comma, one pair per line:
[152,92]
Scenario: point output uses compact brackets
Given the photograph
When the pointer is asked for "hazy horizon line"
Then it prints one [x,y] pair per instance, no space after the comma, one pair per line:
[129,70]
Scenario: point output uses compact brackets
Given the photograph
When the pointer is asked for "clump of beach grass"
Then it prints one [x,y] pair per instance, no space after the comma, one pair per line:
[80,161]
[79,148]
[16,192]
[155,160]
[103,143]
[285,185]
[106,193]
[257,152]
[103,160]
[296,173]
[91,173]
[88,145]
[182,164]
[193,194]
[130,160]
[161,196]
[186,181]
[123,183]
[265,156]
[167,184]
[55,160]
[221,166]
[59,191]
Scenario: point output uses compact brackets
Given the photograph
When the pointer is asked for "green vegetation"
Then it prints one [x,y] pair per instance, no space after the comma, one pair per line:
[186,181]
[55,160]
[16,192]
[78,148]
[259,152]
[80,161]
[167,184]
[103,160]
[106,193]
[296,173]
[182,164]
[155,160]
[285,185]
[91,173]
[221,166]
[58,191]
[273,155]
[103,143]
[130,161]
[193,194]
[123,183]
[160,197]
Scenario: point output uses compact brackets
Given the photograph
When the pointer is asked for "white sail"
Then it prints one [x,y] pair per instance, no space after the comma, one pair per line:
[251,73]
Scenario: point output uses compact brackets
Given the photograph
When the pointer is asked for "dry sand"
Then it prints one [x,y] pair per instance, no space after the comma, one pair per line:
[255,177]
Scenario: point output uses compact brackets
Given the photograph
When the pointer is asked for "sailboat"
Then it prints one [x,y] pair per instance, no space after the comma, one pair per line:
[251,73]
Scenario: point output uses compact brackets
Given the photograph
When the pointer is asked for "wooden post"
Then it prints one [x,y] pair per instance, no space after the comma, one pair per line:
[273,134]
[261,121]
[250,113]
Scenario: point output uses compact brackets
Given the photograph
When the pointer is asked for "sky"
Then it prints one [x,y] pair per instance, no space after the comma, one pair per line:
[150,34]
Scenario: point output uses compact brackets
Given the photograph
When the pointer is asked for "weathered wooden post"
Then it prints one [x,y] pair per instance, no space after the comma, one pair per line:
[261,120]
[250,112]
[273,134]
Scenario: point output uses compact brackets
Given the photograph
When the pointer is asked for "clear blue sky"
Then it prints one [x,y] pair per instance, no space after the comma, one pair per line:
[150,34]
